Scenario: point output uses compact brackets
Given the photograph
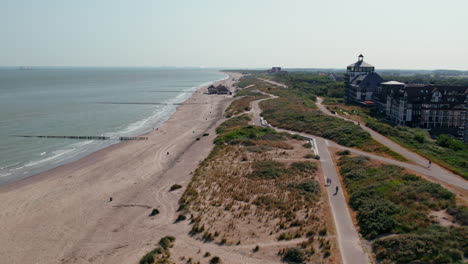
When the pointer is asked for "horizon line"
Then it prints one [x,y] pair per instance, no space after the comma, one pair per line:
[234,68]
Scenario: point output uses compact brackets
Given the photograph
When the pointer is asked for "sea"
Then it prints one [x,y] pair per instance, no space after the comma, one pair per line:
[40,108]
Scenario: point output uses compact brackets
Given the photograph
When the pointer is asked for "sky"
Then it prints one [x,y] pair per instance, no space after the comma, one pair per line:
[397,34]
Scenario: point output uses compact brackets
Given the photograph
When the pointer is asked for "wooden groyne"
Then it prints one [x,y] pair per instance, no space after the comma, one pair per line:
[84,137]
[144,103]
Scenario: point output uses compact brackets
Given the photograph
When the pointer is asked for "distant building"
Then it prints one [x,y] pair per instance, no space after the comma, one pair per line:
[220,89]
[361,82]
[212,89]
[275,70]
[223,89]
[439,108]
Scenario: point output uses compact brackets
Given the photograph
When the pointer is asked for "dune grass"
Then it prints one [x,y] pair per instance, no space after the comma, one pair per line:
[267,195]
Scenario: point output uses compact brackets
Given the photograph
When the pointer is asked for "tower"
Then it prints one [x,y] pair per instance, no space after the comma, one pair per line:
[361,81]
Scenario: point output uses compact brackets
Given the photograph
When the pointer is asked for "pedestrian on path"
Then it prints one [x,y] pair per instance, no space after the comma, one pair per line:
[430,162]
[336,190]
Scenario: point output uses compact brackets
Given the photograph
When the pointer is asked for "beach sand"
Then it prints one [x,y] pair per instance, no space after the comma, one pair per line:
[64,215]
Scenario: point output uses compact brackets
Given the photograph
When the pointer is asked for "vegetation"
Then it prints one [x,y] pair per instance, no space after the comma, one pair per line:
[154,212]
[175,187]
[428,79]
[215,260]
[291,111]
[389,201]
[241,120]
[294,255]
[312,83]
[276,192]
[446,151]
[243,104]
[161,254]
[181,217]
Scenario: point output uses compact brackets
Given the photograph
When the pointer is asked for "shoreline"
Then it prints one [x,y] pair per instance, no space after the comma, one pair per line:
[63,215]
[94,149]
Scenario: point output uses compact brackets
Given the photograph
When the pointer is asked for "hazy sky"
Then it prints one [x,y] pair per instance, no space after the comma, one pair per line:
[411,34]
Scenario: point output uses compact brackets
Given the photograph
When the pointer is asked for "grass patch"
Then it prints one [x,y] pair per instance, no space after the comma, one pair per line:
[445,151]
[267,169]
[242,120]
[292,112]
[249,133]
[389,201]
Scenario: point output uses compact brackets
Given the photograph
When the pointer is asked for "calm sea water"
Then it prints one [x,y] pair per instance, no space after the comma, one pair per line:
[83,102]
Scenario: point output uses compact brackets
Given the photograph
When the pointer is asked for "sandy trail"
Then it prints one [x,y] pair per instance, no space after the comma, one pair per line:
[63,215]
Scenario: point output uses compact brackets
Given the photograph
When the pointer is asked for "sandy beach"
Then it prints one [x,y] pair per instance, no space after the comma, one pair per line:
[64,215]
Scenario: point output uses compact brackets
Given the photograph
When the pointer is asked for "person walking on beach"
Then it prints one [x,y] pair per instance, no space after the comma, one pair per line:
[336,190]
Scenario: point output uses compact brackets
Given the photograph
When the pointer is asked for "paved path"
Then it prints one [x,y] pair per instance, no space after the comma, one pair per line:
[349,241]
[274,83]
[348,238]
[434,171]
[256,111]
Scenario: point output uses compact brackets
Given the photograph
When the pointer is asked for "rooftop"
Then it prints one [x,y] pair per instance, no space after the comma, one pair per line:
[393,83]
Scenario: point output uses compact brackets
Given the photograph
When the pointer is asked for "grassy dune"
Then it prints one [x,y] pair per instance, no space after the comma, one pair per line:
[255,186]
[394,210]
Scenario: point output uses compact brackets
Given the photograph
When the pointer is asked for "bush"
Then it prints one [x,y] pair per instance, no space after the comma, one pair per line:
[460,213]
[434,245]
[215,260]
[175,187]
[306,187]
[344,152]
[375,217]
[267,169]
[304,166]
[147,259]
[420,138]
[294,255]
[181,217]
[154,212]
[256,249]
[166,242]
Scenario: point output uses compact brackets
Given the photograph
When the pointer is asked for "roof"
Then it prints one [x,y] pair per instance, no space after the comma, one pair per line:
[361,80]
[222,88]
[361,64]
[393,83]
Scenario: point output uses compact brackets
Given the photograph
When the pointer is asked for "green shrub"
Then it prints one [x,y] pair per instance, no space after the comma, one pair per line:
[344,152]
[304,166]
[154,212]
[267,169]
[460,213]
[238,134]
[166,242]
[215,260]
[242,120]
[147,259]
[181,217]
[306,187]
[175,187]
[294,255]
[375,217]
